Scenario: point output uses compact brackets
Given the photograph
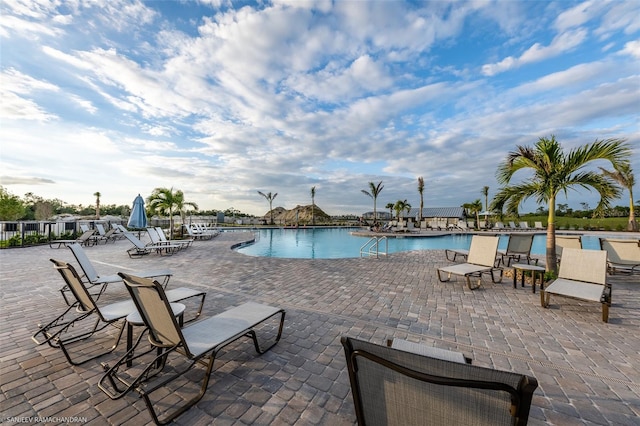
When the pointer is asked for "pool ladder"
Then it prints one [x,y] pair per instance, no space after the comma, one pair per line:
[372,247]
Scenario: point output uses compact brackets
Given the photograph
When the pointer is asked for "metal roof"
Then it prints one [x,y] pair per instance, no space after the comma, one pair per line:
[457,212]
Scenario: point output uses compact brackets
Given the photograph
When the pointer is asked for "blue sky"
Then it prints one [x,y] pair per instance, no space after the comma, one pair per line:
[223,99]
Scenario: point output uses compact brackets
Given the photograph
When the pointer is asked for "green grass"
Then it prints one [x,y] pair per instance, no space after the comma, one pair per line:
[564,222]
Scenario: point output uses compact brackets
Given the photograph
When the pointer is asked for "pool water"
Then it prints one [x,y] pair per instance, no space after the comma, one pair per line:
[338,243]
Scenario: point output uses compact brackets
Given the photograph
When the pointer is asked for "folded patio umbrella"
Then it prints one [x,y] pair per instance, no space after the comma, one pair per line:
[138,218]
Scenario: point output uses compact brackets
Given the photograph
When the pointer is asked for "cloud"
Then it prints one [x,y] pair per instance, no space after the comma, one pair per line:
[15,180]
[536,53]
[632,48]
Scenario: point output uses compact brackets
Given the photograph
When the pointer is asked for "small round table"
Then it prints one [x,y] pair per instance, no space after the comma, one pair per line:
[535,271]
[134,319]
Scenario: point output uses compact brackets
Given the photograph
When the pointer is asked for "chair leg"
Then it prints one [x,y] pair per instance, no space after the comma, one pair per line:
[146,395]
[492,276]
[440,277]
[89,334]
[254,337]
[471,287]
[544,298]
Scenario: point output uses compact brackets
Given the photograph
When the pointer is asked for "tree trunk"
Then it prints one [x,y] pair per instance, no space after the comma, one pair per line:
[633,225]
[552,259]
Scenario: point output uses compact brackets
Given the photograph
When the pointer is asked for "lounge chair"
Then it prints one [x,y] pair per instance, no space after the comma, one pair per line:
[140,249]
[85,239]
[582,276]
[185,242]
[106,236]
[59,332]
[513,227]
[199,342]
[538,226]
[623,255]
[463,253]
[499,226]
[93,278]
[524,226]
[198,235]
[200,227]
[518,247]
[481,260]
[157,237]
[391,386]
[567,241]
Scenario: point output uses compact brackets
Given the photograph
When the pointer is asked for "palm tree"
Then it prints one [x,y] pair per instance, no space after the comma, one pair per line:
[374,191]
[269,197]
[166,201]
[421,192]
[474,208]
[555,171]
[97,195]
[313,205]
[623,174]
[400,206]
[390,207]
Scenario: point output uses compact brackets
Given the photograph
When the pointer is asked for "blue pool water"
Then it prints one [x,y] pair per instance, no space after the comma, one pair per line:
[337,243]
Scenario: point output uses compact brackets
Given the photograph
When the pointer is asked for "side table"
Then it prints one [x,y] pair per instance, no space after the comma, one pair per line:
[535,271]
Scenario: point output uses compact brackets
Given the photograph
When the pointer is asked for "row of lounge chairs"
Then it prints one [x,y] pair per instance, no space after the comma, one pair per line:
[90,237]
[582,273]
[198,342]
[522,226]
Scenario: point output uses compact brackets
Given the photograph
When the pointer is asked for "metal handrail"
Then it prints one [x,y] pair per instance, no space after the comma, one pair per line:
[372,246]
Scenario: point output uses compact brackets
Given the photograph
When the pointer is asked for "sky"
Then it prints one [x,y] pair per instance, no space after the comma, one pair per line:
[223,99]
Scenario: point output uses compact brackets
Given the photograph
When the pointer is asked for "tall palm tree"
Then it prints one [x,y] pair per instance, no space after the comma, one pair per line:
[97,195]
[555,171]
[421,192]
[269,197]
[374,191]
[166,201]
[485,192]
[313,205]
[623,174]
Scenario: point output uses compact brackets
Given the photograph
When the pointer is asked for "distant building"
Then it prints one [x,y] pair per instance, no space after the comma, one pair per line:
[429,213]
[382,215]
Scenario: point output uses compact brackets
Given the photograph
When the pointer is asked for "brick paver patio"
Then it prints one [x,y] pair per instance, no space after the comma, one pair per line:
[588,371]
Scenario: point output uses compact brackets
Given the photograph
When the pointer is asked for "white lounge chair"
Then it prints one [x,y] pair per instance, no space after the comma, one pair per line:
[567,241]
[157,237]
[623,255]
[524,226]
[582,276]
[538,226]
[140,249]
[481,260]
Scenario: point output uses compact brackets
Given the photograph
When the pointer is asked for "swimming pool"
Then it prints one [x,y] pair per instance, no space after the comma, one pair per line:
[338,243]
